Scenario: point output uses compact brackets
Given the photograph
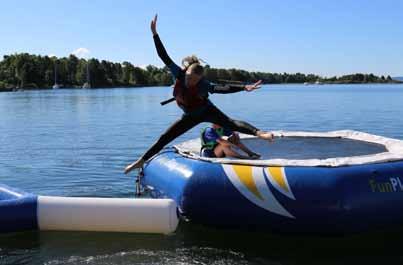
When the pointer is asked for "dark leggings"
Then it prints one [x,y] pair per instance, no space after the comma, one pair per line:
[209,113]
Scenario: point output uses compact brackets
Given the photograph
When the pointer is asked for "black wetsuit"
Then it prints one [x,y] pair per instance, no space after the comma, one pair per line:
[207,113]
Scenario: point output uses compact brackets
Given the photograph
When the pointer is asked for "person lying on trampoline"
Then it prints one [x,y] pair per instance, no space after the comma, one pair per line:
[217,141]
[191,92]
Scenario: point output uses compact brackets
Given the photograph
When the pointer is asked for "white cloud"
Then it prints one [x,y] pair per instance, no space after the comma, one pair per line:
[52,55]
[81,52]
[143,66]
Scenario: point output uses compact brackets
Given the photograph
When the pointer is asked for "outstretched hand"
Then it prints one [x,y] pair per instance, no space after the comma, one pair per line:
[253,86]
[154,25]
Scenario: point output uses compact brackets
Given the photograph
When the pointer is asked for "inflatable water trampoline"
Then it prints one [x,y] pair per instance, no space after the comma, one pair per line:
[333,182]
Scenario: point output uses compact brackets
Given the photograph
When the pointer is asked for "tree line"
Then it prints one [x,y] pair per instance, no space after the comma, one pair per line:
[39,72]
[35,71]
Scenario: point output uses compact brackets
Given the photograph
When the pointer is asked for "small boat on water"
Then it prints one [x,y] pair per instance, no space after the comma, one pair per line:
[56,85]
[325,183]
[87,84]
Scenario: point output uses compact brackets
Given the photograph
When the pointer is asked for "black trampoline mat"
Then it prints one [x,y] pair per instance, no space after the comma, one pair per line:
[312,148]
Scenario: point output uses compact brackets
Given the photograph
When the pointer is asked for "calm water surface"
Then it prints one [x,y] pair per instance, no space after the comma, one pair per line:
[77,142]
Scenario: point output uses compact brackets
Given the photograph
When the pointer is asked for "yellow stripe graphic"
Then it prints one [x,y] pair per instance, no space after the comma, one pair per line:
[278,176]
[244,174]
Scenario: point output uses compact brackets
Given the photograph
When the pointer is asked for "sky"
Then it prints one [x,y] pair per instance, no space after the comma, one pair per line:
[322,37]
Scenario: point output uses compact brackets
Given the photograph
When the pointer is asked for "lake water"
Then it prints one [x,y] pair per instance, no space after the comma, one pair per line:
[77,143]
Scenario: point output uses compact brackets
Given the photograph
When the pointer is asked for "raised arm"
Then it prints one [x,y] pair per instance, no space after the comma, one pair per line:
[226,89]
[162,53]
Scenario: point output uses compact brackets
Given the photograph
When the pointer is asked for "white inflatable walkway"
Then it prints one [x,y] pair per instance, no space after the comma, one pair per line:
[23,211]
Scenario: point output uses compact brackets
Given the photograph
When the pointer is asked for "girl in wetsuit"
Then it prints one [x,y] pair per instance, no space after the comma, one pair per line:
[191,94]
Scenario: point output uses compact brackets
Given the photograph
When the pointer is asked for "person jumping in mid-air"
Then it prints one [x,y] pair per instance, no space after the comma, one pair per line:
[191,94]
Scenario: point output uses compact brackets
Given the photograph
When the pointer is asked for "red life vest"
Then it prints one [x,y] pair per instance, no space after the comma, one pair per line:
[188,98]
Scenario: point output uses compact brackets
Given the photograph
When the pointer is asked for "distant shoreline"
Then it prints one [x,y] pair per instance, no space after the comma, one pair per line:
[150,86]
[15,89]
[34,72]
[34,87]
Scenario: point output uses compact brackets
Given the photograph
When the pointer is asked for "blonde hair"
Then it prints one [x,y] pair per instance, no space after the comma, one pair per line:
[189,60]
[195,68]
[193,65]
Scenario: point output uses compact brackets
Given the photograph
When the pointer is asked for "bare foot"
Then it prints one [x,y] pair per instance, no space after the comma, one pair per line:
[138,164]
[265,135]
